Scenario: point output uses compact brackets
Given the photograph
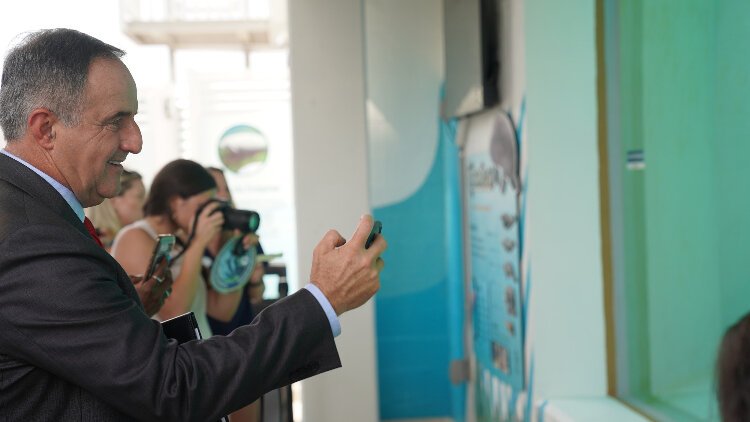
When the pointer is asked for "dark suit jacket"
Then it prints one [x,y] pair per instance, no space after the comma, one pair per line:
[75,343]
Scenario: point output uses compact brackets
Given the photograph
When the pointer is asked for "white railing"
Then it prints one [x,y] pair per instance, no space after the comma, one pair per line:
[194,10]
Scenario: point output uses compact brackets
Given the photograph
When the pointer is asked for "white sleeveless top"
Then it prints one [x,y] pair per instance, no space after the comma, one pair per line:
[199,301]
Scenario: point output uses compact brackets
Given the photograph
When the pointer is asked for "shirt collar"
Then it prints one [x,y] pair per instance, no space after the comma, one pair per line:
[66,193]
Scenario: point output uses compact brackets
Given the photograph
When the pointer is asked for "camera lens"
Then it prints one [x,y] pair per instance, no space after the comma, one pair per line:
[243,220]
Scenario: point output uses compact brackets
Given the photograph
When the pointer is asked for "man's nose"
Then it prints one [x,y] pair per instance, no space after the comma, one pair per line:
[131,140]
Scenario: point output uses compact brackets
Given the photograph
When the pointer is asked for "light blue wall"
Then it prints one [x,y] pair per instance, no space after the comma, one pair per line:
[563,221]
[567,312]
[414,326]
[411,185]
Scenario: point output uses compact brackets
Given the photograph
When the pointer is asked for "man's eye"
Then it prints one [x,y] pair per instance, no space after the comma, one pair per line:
[115,124]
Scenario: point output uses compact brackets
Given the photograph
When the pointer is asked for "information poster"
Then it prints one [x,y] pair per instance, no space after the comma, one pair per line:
[494,236]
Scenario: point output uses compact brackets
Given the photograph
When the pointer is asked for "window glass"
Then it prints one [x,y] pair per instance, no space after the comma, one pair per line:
[681,185]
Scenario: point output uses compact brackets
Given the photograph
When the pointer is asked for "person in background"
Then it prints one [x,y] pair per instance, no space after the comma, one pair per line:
[733,372]
[112,214]
[115,213]
[76,342]
[255,287]
[222,187]
[251,293]
[179,202]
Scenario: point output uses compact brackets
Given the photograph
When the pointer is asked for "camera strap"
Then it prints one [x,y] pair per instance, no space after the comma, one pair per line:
[186,244]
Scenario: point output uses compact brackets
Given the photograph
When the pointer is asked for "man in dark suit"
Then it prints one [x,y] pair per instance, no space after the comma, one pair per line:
[75,343]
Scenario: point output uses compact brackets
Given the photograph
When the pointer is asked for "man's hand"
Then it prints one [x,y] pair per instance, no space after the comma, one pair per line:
[346,272]
[155,290]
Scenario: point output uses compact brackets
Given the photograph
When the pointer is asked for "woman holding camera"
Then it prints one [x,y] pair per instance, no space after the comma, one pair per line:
[179,202]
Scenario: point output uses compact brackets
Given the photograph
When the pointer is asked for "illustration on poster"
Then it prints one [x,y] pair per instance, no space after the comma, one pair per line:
[504,150]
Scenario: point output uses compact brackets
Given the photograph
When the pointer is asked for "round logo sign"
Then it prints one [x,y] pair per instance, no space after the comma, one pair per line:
[242,148]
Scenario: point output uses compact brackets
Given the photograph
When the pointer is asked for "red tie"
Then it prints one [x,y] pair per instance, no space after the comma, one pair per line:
[92,231]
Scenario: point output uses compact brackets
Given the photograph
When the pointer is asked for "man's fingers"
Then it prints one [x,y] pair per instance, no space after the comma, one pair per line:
[332,240]
[162,270]
[363,230]
[379,264]
[379,245]
[341,241]
[161,267]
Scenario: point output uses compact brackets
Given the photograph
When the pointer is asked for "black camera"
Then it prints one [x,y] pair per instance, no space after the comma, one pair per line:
[243,220]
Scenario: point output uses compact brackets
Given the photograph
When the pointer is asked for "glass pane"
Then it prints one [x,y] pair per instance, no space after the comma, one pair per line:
[684,79]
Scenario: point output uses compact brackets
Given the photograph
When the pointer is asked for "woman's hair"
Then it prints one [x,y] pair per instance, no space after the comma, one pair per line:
[127,179]
[733,372]
[182,178]
[104,216]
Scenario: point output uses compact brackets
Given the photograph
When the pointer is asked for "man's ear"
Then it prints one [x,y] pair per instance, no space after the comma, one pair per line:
[41,127]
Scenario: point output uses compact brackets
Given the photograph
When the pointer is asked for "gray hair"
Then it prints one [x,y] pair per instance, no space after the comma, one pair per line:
[48,69]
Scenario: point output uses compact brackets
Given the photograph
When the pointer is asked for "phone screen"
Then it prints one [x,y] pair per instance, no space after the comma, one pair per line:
[164,245]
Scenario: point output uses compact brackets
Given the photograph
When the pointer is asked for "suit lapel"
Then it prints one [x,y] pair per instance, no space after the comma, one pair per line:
[35,186]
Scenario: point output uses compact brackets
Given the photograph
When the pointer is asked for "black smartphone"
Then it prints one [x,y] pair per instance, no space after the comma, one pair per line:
[377,227]
[164,245]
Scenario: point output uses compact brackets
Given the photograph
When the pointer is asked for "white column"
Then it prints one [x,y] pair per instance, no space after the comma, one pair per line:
[331,183]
